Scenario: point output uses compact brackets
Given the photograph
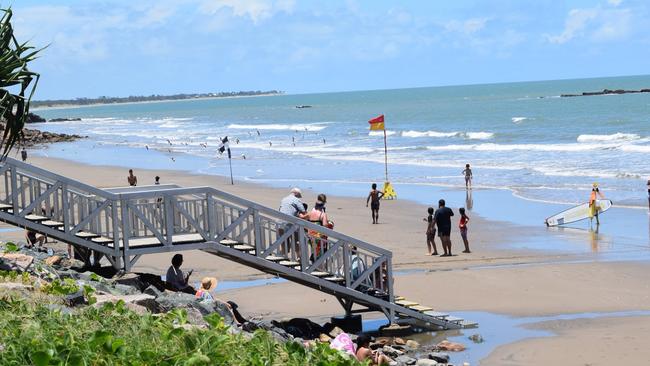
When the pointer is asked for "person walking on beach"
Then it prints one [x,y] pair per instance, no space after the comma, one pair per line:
[132,179]
[373,198]
[462,225]
[442,218]
[431,232]
[23,154]
[593,203]
[468,176]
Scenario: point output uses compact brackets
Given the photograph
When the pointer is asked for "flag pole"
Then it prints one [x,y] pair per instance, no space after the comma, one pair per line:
[232,182]
[386,155]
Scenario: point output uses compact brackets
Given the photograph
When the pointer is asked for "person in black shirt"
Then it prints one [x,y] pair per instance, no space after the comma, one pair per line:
[442,218]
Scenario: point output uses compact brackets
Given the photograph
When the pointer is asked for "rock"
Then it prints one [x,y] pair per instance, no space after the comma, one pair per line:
[138,309]
[392,352]
[302,328]
[32,118]
[128,299]
[195,317]
[71,263]
[172,300]
[380,342]
[53,260]
[399,341]
[439,357]
[15,286]
[132,280]
[412,344]
[15,262]
[324,338]
[152,290]
[75,299]
[124,289]
[426,362]
[335,332]
[405,360]
[476,338]
[450,346]
[64,119]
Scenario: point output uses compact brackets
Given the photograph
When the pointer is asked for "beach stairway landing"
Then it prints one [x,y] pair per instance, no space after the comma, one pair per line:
[123,224]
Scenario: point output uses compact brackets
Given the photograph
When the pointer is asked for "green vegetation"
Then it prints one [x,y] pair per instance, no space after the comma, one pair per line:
[150,98]
[16,87]
[33,333]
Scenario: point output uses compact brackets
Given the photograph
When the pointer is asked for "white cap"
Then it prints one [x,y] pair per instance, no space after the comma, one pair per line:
[296,191]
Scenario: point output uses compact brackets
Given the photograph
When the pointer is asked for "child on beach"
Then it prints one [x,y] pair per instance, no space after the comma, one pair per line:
[373,198]
[431,232]
[462,225]
[468,176]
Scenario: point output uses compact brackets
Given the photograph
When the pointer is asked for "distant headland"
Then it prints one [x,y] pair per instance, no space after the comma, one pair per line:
[149,98]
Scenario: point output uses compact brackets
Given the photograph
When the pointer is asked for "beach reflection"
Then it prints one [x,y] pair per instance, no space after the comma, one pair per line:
[593,233]
[469,201]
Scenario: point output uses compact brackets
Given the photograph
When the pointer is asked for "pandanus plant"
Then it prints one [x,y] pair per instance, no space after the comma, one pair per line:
[17,83]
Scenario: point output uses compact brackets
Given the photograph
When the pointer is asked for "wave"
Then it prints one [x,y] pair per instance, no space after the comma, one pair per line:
[467,135]
[517,147]
[518,119]
[613,137]
[381,133]
[478,135]
[428,134]
[279,127]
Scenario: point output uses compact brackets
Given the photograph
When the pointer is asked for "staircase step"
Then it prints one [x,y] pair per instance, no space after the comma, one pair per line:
[102,240]
[36,218]
[229,242]
[290,263]
[420,308]
[321,274]
[397,298]
[454,319]
[4,206]
[52,223]
[335,279]
[436,314]
[468,324]
[243,247]
[406,303]
[86,235]
[274,258]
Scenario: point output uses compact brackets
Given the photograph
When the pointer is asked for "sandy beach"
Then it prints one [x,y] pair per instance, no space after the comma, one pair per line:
[496,278]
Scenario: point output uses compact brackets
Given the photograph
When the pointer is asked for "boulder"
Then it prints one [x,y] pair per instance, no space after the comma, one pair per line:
[426,362]
[392,352]
[450,346]
[476,338]
[75,299]
[399,341]
[439,357]
[153,291]
[53,260]
[405,360]
[132,280]
[15,262]
[138,309]
[303,328]
[412,344]
[128,299]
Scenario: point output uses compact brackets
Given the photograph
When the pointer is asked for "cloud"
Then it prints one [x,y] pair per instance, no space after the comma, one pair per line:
[599,24]
[469,26]
[256,10]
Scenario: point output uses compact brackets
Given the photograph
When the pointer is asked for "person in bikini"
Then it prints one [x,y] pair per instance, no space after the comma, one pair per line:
[318,216]
[373,198]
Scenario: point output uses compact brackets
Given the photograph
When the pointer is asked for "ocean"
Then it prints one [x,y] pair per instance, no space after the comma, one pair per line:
[522,137]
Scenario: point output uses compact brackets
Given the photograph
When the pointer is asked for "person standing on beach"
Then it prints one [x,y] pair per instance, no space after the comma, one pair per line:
[442,218]
[431,232]
[593,203]
[468,176]
[292,205]
[373,198]
[462,225]
[23,154]
[156,180]
[132,179]
[648,185]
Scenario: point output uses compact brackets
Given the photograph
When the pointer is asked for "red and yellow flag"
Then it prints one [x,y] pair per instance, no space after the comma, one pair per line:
[377,123]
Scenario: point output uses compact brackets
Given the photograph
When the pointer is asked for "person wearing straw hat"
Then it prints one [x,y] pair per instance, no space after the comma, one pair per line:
[207,284]
[593,202]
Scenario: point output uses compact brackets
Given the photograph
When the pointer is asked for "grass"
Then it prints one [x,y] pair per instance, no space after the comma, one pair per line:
[33,333]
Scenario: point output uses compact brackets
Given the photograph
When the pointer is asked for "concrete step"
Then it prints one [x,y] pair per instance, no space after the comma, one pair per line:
[289,263]
[86,235]
[4,206]
[320,274]
[102,240]
[406,303]
[420,308]
[468,324]
[436,314]
[229,242]
[454,319]
[36,218]
[274,258]
[243,247]
[335,279]
[52,223]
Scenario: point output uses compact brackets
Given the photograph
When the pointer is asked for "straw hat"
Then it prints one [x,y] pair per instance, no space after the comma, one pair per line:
[209,283]
[595,185]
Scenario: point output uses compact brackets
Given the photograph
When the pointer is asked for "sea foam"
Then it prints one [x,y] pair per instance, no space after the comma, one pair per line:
[613,137]
[278,127]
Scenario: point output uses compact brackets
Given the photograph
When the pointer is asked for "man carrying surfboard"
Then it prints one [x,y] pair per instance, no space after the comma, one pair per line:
[593,202]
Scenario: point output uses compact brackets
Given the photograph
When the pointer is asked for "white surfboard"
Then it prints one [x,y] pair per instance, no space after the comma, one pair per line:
[577,213]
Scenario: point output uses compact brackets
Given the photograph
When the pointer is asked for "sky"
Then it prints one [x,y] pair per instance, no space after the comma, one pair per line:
[121,48]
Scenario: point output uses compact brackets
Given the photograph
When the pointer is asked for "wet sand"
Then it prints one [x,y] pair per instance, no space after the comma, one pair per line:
[509,271]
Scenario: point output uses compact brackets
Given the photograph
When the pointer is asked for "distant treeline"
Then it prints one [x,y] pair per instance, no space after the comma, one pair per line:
[149,98]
